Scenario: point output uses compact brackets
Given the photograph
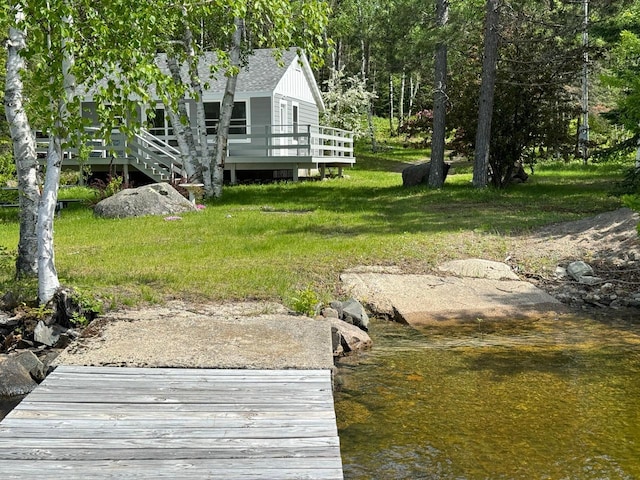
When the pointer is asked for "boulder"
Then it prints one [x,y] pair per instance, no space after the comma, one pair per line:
[31,363]
[15,379]
[347,338]
[155,199]
[354,313]
[418,174]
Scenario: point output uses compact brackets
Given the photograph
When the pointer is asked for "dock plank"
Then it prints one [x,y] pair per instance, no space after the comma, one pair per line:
[107,422]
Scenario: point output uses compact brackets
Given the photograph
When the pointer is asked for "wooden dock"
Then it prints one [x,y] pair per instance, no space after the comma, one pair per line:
[111,422]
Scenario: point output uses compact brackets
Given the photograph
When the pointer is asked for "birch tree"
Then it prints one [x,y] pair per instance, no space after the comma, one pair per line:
[226,108]
[56,52]
[24,149]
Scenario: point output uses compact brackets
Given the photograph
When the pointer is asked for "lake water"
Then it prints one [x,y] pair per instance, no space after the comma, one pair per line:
[7,404]
[528,400]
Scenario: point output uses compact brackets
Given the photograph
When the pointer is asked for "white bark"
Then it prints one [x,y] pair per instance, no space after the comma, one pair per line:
[24,152]
[196,86]
[182,131]
[226,109]
[48,281]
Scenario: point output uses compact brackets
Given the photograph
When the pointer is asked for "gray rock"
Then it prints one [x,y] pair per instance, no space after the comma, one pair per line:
[589,280]
[579,269]
[560,273]
[337,306]
[155,199]
[355,311]
[348,338]
[479,268]
[418,174]
[48,334]
[330,313]
[7,321]
[15,379]
[31,363]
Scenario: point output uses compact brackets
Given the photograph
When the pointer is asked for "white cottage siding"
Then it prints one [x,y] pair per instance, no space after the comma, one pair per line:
[295,84]
[260,111]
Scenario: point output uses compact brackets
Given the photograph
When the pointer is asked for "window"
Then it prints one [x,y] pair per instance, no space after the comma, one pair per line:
[238,124]
[295,118]
[160,125]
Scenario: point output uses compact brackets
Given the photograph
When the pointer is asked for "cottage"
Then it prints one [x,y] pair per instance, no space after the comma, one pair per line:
[275,129]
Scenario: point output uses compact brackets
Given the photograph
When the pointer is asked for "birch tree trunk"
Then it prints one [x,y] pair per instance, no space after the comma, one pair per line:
[204,166]
[391,107]
[48,281]
[403,81]
[413,92]
[24,152]
[226,110]
[183,132]
[487,90]
[436,172]
[364,73]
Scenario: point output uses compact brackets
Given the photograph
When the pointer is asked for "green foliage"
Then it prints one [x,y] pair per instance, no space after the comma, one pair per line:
[7,165]
[624,76]
[346,100]
[306,302]
[533,107]
[630,183]
[109,188]
[632,202]
[88,306]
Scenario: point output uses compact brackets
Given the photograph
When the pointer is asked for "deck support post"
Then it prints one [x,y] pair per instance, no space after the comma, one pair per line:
[295,172]
[323,171]
[232,172]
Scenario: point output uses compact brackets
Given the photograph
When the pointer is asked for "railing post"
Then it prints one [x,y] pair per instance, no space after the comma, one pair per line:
[268,139]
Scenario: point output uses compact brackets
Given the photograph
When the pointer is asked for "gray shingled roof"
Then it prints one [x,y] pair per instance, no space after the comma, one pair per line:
[261,73]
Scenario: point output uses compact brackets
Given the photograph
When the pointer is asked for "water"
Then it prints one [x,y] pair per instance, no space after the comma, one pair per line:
[536,400]
[8,404]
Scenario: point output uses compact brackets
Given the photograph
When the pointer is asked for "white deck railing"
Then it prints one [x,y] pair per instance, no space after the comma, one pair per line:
[260,144]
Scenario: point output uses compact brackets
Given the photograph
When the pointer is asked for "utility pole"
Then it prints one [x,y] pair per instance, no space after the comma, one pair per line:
[583,134]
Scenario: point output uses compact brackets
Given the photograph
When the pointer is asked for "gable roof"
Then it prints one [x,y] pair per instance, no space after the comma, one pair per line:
[259,76]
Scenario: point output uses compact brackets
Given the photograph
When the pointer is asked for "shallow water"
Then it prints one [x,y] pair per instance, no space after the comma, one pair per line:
[8,404]
[536,400]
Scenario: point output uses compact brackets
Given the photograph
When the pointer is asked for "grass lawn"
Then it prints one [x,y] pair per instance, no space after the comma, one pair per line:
[271,241]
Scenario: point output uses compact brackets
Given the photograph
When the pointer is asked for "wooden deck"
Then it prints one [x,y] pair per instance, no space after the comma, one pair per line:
[111,422]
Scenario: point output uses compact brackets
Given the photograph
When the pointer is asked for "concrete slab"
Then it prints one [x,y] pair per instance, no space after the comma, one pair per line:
[429,299]
[174,337]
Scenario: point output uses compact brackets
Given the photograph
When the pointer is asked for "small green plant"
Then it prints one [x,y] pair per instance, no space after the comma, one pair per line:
[305,302]
[40,312]
[87,307]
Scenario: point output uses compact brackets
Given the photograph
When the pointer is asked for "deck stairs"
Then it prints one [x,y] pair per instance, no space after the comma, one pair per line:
[154,157]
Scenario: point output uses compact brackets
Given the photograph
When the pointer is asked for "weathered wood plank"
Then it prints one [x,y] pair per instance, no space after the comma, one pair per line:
[239,452]
[97,422]
[29,409]
[231,469]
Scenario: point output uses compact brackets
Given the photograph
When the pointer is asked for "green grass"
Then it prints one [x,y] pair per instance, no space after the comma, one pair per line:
[274,241]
